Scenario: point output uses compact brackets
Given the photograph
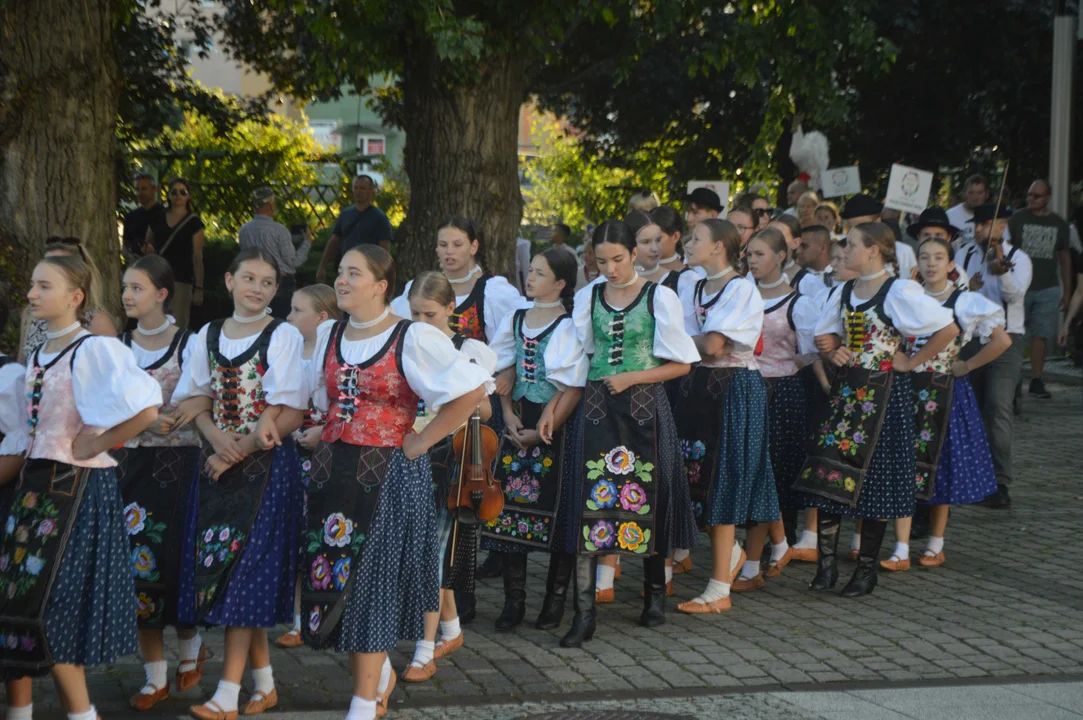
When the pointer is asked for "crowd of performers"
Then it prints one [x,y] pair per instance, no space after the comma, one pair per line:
[260,471]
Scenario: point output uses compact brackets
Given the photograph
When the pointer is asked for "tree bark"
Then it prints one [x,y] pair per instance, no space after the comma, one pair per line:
[461,156]
[60,85]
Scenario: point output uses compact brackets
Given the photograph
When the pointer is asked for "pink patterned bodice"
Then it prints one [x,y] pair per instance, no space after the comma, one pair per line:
[779,357]
[167,372]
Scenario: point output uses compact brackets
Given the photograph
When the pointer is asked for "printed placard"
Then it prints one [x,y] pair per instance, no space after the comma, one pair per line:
[841,181]
[721,187]
[908,189]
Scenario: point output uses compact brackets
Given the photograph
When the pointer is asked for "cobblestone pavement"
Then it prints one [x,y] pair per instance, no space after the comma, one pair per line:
[1006,605]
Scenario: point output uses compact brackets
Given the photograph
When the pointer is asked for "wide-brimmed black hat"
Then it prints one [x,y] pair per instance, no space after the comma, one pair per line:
[984,213]
[705,198]
[933,217]
[860,206]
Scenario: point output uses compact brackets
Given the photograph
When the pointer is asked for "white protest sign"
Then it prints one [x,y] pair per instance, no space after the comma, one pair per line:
[841,181]
[720,187]
[908,189]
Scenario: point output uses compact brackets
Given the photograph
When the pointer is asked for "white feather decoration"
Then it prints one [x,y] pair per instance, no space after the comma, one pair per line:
[810,154]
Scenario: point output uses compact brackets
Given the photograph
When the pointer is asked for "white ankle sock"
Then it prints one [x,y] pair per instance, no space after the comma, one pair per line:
[669,574]
[450,629]
[157,677]
[90,714]
[901,551]
[423,653]
[297,622]
[20,713]
[263,679]
[716,590]
[750,569]
[385,677]
[777,551]
[361,709]
[680,554]
[225,697]
[935,545]
[189,652]
[604,577]
[855,542]
[807,541]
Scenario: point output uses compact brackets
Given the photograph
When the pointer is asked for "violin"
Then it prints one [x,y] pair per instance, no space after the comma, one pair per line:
[475,496]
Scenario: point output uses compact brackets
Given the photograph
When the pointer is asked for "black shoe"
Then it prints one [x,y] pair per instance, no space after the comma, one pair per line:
[1037,389]
[466,604]
[490,568]
[827,544]
[1000,500]
[654,592]
[863,580]
[514,592]
[583,624]
[561,567]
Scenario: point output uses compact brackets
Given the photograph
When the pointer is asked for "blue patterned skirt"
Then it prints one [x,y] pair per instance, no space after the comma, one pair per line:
[90,615]
[888,490]
[788,410]
[965,473]
[397,577]
[744,485]
[260,590]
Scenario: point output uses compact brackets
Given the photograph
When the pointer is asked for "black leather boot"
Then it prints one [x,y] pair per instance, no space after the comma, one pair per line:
[514,591]
[827,543]
[466,604]
[654,592]
[583,624]
[561,566]
[490,567]
[864,578]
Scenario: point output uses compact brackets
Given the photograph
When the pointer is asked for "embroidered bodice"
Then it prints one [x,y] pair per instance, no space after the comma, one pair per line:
[623,339]
[237,395]
[166,371]
[530,372]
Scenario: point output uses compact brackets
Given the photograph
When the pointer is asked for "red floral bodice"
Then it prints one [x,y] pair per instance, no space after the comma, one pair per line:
[370,403]
[870,334]
[237,397]
[469,318]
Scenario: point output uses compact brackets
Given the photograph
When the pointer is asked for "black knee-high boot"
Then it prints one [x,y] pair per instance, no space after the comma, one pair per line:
[561,566]
[864,578]
[827,543]
[583,624]
[654,592]
[514,591]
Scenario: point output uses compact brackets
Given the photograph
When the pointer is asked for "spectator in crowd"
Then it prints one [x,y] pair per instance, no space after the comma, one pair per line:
[360,224]
[806,208]
[643,200]
[794,191]
[177,235]
[701,204]
[522,263]
[589,270]
[814,254]
[559,235]
[741,217]
[893,219]
[827,214]
[975,193]
[138,221]
[1076,302]
[274,238]
[1043,236]
[863,208]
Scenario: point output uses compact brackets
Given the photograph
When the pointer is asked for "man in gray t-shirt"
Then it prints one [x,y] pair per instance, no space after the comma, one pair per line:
[360,224]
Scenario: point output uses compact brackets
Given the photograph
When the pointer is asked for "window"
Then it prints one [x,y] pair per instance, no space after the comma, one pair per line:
[371,144]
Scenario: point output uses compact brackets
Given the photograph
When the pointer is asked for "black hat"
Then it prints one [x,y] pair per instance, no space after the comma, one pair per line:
[705,198]
[860,206]
[984,213]
[932,217]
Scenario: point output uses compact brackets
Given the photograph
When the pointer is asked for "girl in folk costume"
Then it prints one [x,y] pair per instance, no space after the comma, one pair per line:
[631,492]
[722,407]
[156,471]
[432,301]
[542,359]
[788,323]
[954,463]
[372,560]
[862,464]
[310,307]
[243,514]
[658,258]
[64,560]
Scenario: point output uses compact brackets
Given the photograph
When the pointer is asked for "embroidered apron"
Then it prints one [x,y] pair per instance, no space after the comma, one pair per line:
[531,478]
[847,427]
[229,505]
[469,318]
[934,385]
[371,409]
[620,434]
[37,527]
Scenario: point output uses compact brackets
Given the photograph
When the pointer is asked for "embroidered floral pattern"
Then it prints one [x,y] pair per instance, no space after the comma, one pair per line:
[219,543]
[238,394]
[633,498]
[603,496]
[14,641]
[846,430]
[31,526]
[632,537]
[468,323]
[524,526]
[693,454]
[144,564]
[319,575]
[833,479]
[337,530]
[927,405]
[525,470]
[600,537]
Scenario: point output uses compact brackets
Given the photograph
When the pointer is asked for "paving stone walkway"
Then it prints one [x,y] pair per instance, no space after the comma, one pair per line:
[1008,604]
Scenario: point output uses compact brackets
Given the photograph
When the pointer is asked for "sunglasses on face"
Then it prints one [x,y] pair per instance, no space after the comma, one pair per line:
[760,212]
[178,192]
[1036,195]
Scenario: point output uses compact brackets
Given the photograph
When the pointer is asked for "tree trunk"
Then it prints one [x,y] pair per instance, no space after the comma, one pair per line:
[59,88]
[461,156]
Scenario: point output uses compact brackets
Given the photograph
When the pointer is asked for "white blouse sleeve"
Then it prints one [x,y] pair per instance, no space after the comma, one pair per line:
[566,364]
[285,382]
[738,314]
[501,300]
[582,317]
[806,314]
[401,305]
[316,381]
[481,355]
[195,376]
[435,370]
[109,386]
[13,420]
[905,258]
[978,315]
[687,295]
[671,341]
[503,343]
[913,312]
[830,320]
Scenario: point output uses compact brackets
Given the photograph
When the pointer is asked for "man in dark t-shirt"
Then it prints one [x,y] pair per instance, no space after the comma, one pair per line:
[137,221]
[361,224]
